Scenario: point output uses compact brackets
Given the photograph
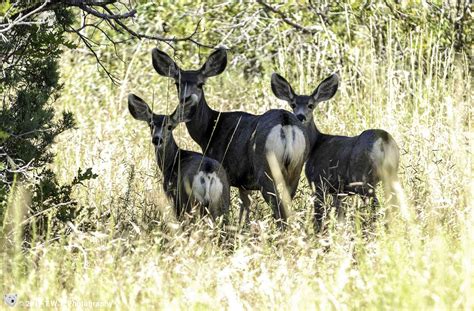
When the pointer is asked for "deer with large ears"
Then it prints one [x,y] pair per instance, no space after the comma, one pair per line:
[341,164]
[189,178]
[259,152]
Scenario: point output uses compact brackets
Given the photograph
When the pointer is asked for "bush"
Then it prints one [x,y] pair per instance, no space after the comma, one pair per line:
[29,121]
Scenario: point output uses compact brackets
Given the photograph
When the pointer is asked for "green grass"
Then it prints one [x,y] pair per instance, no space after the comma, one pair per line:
[139,257]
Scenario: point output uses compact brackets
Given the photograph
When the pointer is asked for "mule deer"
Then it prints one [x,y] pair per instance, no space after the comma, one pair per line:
[259,152]
[188,177]
[341,164]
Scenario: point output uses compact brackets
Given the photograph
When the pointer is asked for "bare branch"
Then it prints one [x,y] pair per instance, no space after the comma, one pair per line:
[395,12]
[107,16]
[89,2]
[103,10]
[89,46]
[111,18]
[286,19]
[21,18]
[159,38]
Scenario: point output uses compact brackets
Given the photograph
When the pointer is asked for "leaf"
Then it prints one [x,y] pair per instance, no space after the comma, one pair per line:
[4,7]
[3,136]
[70,44]
[83,176]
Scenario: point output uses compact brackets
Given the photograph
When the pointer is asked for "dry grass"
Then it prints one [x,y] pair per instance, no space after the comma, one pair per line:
[139,257]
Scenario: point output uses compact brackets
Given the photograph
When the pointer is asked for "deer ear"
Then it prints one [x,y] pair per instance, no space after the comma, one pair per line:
[326,89]
[215,64]
[163,64]
[281,88]
[139,109]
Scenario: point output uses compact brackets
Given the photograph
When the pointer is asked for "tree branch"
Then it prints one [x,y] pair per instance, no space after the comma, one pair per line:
[89,46]
[107,16]
[159,38]
[111,18]
[103,10]
[286,19]
[21,18]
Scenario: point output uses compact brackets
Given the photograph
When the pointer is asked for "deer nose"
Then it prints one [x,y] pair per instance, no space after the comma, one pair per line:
[301,117]
[156,140]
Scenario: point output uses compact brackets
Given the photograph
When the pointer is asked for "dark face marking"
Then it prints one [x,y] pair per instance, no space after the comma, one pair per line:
[303,107]
[189,82]
[161,129]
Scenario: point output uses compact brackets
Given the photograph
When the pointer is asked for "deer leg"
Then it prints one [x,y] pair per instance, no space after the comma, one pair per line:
[319,211]
[371,200]
[293,181]
[277,206]
[340,212]
[374,207]
[244,205]
[271,196]
[270,189]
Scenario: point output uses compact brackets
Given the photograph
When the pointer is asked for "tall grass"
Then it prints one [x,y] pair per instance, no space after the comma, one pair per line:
[139,256]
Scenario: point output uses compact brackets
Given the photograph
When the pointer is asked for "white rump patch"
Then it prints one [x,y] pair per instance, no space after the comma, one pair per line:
[288,144]
[385,156]
[377,153]
[207,187]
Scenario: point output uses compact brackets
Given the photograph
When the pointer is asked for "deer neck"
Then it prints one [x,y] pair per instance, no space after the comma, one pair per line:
[314,135]
[167,157]
[200,127]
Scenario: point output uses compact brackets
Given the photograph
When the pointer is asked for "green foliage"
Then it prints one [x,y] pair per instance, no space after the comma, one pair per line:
[255,33]
[5,6]
[53,205]
[30,86]
[401,70]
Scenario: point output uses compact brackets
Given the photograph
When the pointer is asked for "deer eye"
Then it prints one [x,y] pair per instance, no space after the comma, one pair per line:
[293,106]
[311,106]
[169,127]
